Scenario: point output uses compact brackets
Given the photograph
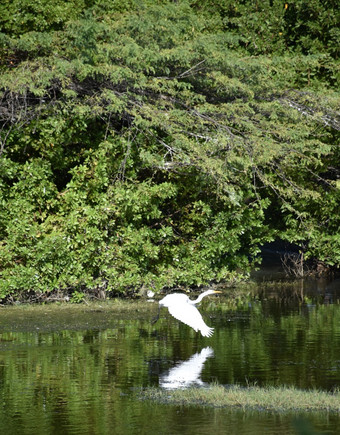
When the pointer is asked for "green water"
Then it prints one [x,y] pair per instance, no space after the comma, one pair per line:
[78,370]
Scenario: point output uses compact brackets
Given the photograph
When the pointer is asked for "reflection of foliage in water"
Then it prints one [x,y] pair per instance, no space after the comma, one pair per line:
[75,378]
[269,343]
[68,375]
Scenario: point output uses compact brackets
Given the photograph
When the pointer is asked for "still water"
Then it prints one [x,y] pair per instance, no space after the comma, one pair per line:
[77,370]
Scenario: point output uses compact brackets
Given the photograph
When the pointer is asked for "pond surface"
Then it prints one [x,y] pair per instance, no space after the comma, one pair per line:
[76,370]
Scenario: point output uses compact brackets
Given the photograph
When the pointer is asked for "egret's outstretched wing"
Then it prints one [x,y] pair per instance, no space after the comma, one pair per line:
[190,315]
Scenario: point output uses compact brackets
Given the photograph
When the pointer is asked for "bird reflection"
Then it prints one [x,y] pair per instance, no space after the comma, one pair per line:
[186,373]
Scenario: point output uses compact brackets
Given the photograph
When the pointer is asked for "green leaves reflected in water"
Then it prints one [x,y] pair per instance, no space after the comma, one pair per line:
[81,379]
[261,345]
[67,379]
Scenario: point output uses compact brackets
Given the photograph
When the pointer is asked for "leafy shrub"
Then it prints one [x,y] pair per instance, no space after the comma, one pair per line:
[143,146]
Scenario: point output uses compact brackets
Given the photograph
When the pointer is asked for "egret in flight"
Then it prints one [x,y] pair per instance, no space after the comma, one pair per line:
[183,309]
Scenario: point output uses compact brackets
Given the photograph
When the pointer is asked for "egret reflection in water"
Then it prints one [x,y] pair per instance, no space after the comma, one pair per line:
[188,372]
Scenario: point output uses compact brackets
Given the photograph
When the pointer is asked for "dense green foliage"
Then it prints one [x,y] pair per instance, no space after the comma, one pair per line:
[161,144]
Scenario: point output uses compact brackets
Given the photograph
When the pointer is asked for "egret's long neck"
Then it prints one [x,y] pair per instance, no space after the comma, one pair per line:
[200,297]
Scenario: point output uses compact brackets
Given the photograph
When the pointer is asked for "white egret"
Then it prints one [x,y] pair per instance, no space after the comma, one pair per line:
[183,309]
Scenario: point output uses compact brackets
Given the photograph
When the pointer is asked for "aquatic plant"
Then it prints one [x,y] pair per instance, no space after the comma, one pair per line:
[278,399]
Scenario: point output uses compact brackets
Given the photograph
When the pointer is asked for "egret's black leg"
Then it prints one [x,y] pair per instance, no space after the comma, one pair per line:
[154,319]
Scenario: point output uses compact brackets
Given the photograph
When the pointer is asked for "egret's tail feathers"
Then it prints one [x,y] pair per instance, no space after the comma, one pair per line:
[207,332]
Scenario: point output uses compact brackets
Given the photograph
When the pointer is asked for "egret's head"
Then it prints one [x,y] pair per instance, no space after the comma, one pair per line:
[212,292]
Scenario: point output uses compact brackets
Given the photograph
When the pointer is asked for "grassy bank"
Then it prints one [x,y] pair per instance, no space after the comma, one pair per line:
[277,399]
[65,315]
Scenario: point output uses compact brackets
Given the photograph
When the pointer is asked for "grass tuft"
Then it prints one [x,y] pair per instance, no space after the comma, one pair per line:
[278,399]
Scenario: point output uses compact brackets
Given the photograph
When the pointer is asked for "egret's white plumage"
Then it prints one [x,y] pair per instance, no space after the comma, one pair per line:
[184,310]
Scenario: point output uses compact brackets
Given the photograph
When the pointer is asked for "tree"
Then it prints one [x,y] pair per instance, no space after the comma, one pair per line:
[146,147]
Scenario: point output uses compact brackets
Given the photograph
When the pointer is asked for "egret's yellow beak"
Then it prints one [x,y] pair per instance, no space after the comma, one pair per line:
[216,291]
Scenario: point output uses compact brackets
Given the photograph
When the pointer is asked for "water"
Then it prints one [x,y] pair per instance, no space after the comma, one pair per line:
[76,371]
